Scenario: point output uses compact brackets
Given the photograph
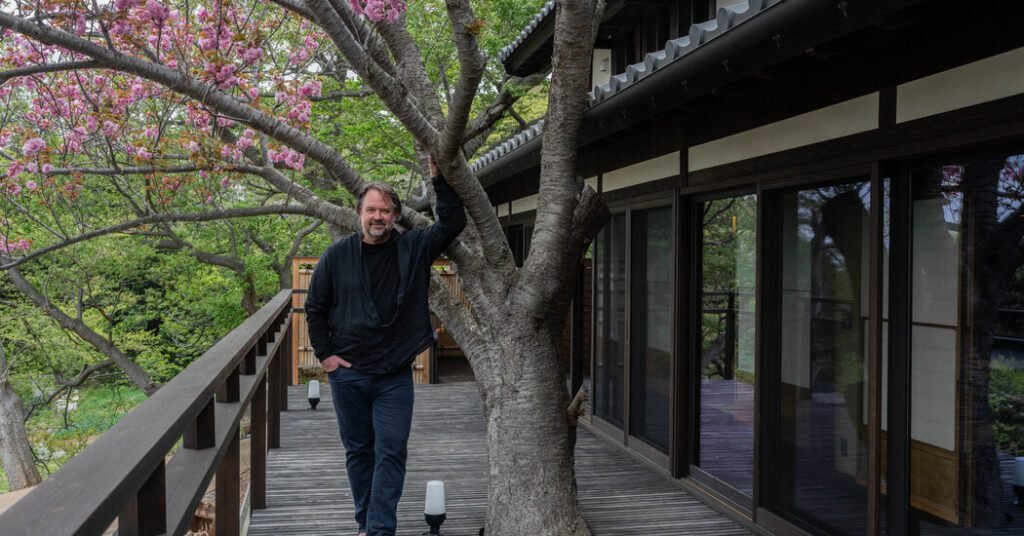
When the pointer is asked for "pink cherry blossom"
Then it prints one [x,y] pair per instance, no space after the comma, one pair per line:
[33,146]
[14,169]
[310,89]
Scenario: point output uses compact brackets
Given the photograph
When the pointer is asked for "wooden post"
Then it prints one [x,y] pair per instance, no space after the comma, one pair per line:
[274,401]
[258,446]
[229,390]
[146,513]
[285,367]
[201,434]
[227,499]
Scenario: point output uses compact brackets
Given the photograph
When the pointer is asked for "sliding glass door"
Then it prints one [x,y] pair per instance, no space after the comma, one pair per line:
[726,335]
[818,478]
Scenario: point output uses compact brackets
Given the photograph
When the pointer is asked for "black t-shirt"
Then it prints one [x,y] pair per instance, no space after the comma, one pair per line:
[381,263]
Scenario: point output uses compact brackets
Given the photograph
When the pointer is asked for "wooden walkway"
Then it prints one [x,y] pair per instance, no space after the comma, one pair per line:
[307,492]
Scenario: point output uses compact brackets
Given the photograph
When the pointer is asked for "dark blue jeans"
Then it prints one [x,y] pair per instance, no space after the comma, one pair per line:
[374,416]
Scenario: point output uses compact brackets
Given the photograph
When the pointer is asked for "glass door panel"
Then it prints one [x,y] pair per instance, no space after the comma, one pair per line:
[822,436]
[967,345]
[651,326]
[727,329]
[610,321]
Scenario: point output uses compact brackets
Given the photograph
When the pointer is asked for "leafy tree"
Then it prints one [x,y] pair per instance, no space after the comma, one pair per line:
[204,111]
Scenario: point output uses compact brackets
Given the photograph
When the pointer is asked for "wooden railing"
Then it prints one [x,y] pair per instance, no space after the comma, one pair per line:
[133,473]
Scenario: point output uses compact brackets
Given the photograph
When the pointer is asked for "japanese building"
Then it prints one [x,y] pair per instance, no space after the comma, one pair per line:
[808,304]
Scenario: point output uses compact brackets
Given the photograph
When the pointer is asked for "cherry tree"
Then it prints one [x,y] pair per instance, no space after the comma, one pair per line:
[191,111]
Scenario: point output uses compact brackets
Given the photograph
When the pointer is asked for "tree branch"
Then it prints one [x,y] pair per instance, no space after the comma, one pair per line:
[138,376]
[471,69]
[331,16]
[562,198]
[204,93]
[9,263]
[338,95]
[480,127]
[48,68]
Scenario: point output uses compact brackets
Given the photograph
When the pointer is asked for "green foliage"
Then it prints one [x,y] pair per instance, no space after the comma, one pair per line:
[1006,396]
[57,435]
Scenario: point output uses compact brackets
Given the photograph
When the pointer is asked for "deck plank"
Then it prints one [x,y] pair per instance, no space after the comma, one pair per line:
[307,493]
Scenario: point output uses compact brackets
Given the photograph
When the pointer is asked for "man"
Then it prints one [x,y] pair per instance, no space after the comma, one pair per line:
[368,319]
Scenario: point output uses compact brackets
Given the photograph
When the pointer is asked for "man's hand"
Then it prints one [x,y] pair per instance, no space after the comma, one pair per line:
[332,363]
[432,166]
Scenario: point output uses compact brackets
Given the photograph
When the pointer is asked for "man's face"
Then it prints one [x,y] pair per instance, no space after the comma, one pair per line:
[377,217]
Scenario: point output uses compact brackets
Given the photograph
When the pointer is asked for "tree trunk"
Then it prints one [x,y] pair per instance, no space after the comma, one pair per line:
[15,451]
[532,481]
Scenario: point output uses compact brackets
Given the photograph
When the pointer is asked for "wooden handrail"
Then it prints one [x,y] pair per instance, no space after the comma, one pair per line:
[123,475]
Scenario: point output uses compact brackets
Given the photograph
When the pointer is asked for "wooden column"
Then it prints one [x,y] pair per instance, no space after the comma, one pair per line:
[258,446]
[146,513]
[227,490]
[274,402]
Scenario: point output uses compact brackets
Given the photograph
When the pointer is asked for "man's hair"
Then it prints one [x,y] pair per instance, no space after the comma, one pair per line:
[384,189]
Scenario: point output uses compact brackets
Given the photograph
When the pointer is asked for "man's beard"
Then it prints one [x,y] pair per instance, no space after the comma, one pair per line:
[377,232]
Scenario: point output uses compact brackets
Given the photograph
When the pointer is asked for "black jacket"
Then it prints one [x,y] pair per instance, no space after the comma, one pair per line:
[340,311]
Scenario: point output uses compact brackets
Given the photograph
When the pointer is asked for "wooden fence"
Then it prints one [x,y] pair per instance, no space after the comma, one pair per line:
[133,473]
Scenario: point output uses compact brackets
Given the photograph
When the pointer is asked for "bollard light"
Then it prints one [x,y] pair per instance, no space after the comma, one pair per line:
[433,510]
[313,394]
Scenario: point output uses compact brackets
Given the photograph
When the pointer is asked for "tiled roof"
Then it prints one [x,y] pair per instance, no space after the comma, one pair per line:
[727,18]
[508,145]
[548,9]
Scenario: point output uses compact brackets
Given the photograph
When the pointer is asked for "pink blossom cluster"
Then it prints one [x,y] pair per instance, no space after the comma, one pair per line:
[377,10]
[288,156]
[33,146]
[14,246]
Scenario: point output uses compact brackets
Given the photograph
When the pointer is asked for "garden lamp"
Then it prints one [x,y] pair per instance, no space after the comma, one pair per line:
[433,510]
[313,394]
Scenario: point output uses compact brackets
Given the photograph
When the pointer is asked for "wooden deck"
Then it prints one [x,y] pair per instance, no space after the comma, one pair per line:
[307,492]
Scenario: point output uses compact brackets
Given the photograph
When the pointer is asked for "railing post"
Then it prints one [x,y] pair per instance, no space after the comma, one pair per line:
[261,344]
[284,355]
[146,513]
[227,499]
[229,390]
[274,402]
[249,363]
[202,433]
[258,446]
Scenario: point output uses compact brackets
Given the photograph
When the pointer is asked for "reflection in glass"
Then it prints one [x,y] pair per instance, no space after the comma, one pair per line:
[651,325]
[967,372]
[729,241]
[610,320]
[824,278]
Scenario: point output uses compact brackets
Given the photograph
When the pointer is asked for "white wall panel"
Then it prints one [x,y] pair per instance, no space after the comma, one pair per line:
[843,119]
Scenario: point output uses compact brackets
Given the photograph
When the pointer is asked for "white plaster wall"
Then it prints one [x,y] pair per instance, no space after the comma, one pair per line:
[525,204]
[933,381]
[935,265]
[842,119]
[646,171]
[601,68]
[981,81]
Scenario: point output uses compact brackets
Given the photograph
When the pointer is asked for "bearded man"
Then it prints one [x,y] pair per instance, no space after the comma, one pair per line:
[368,319]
